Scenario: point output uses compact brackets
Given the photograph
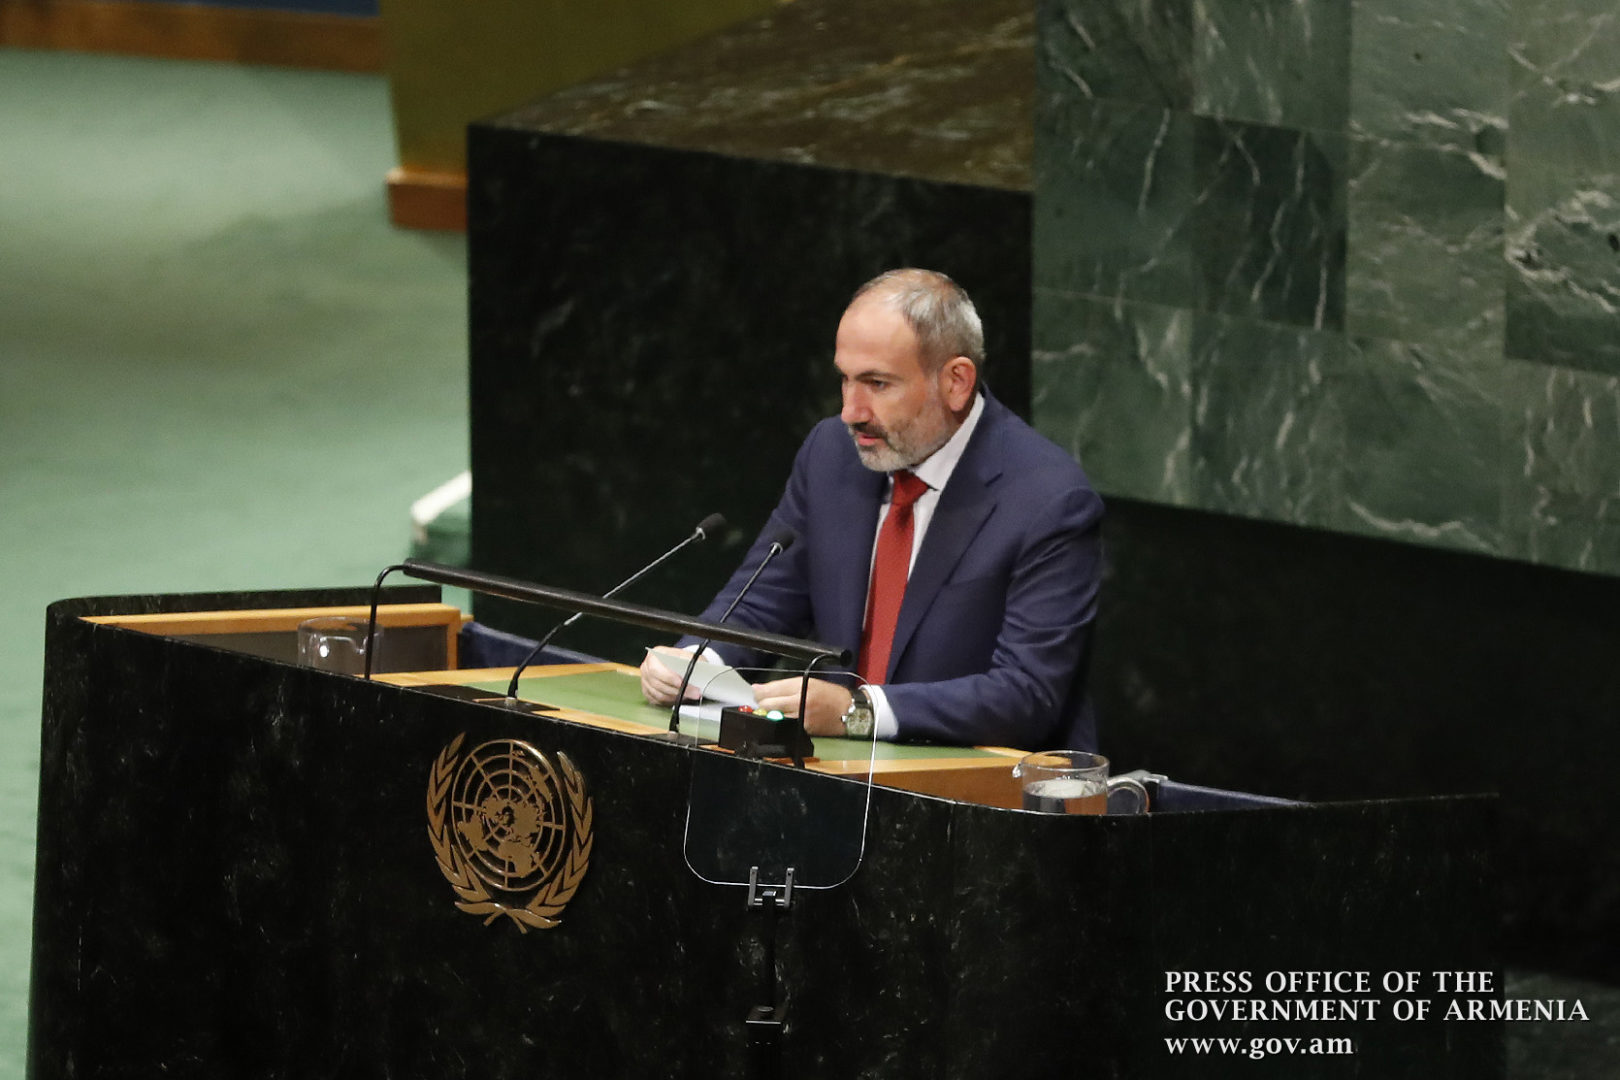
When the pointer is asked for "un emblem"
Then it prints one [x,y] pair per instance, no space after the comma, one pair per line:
[511,830]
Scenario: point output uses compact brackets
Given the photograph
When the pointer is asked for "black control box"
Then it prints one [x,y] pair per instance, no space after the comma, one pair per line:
[755,733]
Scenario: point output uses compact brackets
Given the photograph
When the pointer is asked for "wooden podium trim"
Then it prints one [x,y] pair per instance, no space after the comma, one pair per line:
[425,199]
[986,780]
[273,620]
[196,32]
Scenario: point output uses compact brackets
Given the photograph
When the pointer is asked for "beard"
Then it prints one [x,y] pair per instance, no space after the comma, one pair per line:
[905,444]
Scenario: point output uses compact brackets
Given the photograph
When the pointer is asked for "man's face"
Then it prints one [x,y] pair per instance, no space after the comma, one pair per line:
[895,411]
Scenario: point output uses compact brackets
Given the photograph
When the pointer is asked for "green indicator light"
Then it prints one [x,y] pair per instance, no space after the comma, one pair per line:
[774,714]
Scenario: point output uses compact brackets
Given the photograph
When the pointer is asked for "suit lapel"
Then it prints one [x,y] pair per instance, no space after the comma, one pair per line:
[967,501]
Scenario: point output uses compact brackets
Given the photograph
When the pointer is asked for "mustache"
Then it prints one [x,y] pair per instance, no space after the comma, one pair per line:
[868,429]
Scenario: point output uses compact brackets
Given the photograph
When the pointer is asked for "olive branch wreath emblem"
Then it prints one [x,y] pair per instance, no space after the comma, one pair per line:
[544,909]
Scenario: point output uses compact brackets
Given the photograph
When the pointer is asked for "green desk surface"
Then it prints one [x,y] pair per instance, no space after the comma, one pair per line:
[618,694]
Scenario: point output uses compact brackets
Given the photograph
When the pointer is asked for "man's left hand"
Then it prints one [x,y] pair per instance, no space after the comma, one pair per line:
[823,709]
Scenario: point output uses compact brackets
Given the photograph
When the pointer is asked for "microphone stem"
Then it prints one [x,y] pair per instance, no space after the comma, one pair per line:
[511,687]
[371,623]
[691,665]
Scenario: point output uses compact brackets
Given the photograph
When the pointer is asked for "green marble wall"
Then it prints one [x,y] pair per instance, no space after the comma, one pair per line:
[1351,264]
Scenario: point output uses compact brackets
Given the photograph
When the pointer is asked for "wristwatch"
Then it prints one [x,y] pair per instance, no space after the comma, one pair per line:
[859,718]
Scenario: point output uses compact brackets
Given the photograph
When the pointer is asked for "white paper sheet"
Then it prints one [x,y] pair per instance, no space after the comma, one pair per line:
[719,683]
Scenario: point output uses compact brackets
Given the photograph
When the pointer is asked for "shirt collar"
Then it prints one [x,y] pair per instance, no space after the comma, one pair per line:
[936,469]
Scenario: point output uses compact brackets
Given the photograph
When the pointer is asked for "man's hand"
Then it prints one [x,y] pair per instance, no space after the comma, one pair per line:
[658,683]
[823,709]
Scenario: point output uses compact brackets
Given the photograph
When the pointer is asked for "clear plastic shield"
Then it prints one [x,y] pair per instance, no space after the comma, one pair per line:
[756,818]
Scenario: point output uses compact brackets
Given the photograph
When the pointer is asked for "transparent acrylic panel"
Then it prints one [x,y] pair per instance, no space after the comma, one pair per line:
[758,818]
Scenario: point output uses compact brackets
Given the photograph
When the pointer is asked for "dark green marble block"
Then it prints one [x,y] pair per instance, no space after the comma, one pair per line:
[1350,265]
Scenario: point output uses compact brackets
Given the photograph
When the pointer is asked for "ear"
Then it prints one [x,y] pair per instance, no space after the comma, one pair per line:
[958,378]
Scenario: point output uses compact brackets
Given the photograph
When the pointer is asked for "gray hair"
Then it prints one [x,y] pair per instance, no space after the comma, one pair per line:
[938,311]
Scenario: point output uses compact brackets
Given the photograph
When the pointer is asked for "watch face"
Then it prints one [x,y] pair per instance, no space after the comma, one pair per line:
[858,718]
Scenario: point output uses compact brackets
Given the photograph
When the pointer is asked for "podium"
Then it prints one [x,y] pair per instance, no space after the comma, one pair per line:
[248,868]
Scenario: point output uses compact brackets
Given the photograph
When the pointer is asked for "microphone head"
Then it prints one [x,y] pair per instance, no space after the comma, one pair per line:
[783,539]
[710,525]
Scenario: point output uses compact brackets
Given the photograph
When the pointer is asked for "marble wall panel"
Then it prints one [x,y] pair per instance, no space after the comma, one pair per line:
[1387,235]
[1276,62]
[1564,185]
[1118,394]
[1563,246]
[1424,461]
[1268,222]
[1564,491]
[1123,50]
[1168,208]
[1267,434]
[1424,261]
[1124,226]
[1432,73]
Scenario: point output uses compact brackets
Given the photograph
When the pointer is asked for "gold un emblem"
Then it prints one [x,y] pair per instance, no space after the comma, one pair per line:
[511,830]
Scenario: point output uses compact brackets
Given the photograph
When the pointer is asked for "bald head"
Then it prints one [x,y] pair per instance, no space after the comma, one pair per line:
[936,308]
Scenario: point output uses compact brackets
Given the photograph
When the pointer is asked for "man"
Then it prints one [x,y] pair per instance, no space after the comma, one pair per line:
[941,540]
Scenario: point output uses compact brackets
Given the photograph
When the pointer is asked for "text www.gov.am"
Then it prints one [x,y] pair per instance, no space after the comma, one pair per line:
[1258,1048]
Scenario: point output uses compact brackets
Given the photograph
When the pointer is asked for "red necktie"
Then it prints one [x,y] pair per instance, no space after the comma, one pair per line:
[890,567]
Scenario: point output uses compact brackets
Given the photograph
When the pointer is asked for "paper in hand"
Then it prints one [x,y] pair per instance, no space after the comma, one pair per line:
[718,682]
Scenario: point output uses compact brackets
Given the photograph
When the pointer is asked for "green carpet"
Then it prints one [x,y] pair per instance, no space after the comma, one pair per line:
[220,367]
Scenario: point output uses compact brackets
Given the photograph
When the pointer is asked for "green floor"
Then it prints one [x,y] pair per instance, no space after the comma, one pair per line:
[220,367]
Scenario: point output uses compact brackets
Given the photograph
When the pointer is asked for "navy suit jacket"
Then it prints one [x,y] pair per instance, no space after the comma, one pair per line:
[992,642]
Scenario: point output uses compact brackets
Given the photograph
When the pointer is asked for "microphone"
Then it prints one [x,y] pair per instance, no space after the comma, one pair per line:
[705,528]
[780,542]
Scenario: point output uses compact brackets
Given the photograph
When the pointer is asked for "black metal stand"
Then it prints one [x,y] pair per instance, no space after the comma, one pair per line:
[765,1022]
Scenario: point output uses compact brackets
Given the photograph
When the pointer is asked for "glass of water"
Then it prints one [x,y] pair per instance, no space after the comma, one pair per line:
[1076,782]
[336,643]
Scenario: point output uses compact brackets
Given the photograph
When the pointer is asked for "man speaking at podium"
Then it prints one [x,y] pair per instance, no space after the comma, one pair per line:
[942,540]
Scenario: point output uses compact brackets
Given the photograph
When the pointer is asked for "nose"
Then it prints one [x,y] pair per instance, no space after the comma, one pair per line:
[856,408]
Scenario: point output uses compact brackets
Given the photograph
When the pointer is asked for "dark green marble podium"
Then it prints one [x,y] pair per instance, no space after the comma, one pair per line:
[236,877]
